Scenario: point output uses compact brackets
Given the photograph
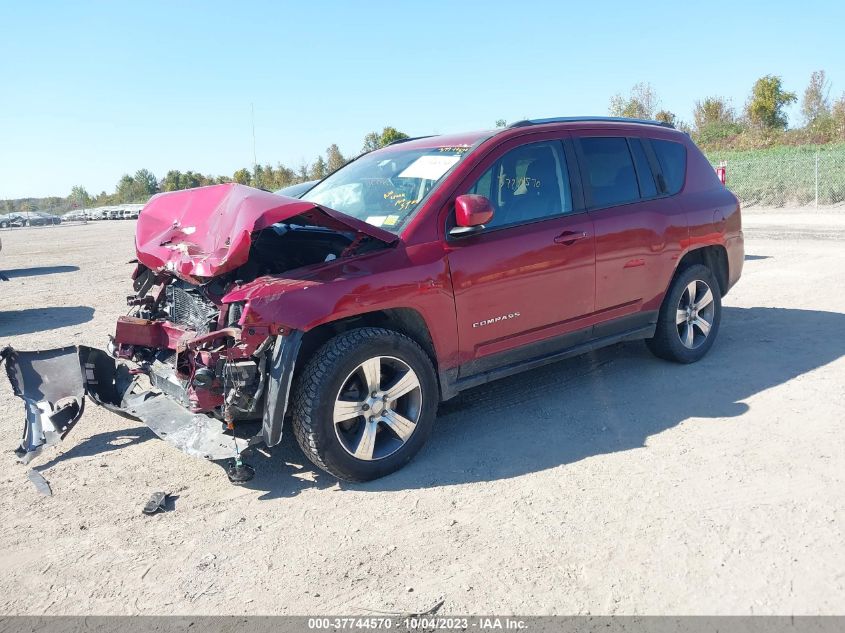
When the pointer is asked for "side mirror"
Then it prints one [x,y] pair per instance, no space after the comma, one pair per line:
[472,212]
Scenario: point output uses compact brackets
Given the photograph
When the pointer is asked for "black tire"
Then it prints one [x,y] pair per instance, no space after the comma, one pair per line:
[320,382]
[4,225]
[667,342]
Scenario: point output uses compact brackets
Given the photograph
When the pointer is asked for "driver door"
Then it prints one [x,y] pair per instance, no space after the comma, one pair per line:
[524,285]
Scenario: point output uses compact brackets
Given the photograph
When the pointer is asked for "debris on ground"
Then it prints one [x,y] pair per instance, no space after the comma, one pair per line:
[156,503]
[41,484]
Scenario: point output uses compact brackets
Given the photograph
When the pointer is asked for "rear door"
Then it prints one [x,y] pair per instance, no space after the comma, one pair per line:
[638,228]
[525,283]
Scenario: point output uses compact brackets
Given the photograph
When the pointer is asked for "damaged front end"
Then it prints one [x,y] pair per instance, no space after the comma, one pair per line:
[191,360]
[205,392]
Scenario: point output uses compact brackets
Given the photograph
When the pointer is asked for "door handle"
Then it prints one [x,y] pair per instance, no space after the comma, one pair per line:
[567,238]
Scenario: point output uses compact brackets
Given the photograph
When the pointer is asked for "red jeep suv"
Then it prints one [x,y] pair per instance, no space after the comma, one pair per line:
[416,271]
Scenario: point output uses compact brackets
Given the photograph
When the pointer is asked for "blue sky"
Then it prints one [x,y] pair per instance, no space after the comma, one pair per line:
[92,90]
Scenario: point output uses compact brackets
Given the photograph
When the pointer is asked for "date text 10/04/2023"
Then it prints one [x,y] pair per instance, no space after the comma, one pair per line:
[428,623]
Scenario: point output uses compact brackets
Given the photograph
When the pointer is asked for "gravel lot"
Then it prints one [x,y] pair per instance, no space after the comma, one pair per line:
[613,483]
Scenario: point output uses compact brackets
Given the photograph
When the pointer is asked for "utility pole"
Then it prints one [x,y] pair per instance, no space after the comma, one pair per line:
[254,160]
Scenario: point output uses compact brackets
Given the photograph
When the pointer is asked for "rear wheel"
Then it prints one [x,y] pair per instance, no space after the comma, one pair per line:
[689,317]
[365,404]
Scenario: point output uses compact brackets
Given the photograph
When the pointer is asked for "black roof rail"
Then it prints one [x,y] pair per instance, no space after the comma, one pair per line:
[405,140]
[589,119]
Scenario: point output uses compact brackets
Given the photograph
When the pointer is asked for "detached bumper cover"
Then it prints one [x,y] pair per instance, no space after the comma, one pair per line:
[50,384]
[53,385]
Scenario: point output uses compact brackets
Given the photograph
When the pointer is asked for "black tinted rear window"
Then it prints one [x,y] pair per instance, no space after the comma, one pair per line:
[610,170]
[673,163]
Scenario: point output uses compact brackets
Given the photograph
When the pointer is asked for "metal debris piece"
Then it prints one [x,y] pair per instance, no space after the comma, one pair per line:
[156,503]
[193,433]
[41,484]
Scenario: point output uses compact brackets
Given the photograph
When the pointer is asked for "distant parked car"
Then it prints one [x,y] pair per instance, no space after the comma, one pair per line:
[41,218]
[294,191]
[12,219]
[28,218]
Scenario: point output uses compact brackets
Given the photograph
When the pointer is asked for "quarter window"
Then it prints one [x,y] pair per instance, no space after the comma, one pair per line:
[526,184]
[609,170]
[673,162]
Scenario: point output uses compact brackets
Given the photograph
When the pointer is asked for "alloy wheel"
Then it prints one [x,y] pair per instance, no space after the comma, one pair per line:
[695,313]
[377,408]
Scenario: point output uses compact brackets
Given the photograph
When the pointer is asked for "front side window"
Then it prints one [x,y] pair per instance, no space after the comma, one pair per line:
[673,162]
[385,188]
[609,170]
[526,184]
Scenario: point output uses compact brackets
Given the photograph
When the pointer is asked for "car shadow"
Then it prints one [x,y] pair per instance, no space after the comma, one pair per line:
[752,258]
[606,401]
[99,444]
[38,271]
[31,320]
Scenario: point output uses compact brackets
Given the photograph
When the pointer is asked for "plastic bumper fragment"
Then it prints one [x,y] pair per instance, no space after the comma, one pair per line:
[53,385]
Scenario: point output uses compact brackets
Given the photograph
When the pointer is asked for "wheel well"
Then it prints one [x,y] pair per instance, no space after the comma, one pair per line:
[406,321]
[714,257]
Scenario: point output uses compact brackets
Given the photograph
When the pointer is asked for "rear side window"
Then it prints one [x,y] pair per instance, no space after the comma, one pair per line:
[609,170]
[646,179]
[673,163]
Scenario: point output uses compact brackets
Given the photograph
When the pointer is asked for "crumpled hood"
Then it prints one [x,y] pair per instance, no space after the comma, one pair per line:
[200,233]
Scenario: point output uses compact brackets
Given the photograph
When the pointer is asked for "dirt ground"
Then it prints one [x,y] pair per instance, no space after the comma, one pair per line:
[614,483]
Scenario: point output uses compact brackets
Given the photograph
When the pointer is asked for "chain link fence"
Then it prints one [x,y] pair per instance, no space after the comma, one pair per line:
[782,180]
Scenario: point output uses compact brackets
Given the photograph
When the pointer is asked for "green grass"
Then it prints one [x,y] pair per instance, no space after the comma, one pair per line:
[785,175]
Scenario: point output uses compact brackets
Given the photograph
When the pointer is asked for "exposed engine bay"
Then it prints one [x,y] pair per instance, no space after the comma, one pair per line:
[275,250]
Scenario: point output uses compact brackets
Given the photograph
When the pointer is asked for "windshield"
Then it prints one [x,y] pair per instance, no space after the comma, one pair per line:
[385,188]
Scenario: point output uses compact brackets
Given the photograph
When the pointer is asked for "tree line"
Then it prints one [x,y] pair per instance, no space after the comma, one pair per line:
[762,121]
[716,124]
[139,186]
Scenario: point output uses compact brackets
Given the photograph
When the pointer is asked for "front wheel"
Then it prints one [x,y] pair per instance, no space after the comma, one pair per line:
[365,404]
[689,317]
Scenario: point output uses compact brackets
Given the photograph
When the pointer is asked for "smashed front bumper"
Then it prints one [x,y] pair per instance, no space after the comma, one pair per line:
[53,385]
